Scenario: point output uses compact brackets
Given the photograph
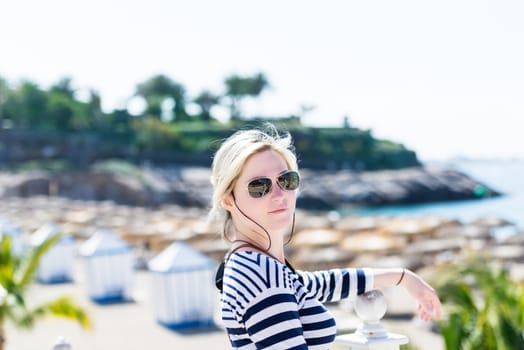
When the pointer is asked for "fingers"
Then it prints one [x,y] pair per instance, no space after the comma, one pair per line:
[423,313]
[438,309]
[429,307]
[435,306]
[428,301]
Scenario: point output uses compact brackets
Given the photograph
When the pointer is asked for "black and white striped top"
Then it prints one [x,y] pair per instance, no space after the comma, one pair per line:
[266,305]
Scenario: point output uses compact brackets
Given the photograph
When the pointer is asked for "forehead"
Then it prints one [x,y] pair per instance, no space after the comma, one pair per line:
[265,163]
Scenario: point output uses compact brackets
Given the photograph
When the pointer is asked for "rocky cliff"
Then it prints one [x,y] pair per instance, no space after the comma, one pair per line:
[190,186]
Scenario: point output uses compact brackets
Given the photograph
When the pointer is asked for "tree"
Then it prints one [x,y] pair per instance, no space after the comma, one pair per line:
[64,86]
[158,89]
[119,120]
[26,106]
[4,89]
[238,87]
[206,100]
[94,109]
[60,112]
[16,275]
[485,308]
[346,124]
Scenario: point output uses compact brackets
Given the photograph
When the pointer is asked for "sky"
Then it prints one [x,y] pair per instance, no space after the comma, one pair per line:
[444,78]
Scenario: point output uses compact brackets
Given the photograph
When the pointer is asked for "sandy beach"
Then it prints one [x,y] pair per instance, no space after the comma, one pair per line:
[130,326]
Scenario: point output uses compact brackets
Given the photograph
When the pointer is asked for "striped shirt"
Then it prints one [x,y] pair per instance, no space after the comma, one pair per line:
[266,305]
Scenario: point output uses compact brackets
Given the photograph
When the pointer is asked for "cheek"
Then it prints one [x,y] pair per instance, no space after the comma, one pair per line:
[293,204]
[248,210]
[253,205]
[246,203]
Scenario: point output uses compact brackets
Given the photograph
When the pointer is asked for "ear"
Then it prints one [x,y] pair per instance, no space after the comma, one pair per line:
[228,203]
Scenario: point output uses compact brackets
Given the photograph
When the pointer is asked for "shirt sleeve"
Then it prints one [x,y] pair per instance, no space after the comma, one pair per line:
[336,284]
[272,320]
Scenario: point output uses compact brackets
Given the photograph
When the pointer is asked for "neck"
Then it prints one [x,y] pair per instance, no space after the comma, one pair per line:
[276,251]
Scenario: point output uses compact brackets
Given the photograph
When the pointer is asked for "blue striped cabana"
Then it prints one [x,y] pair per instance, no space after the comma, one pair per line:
[56,265]
[109,267]
[184,295]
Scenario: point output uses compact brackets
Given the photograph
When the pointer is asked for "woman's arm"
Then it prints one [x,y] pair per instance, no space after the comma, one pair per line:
[336,284]
[428,301]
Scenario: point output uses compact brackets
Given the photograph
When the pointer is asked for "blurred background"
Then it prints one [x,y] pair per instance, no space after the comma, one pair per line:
[110,113]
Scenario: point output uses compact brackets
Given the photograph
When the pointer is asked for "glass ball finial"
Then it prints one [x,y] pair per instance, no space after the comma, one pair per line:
[62,344]
[370,307]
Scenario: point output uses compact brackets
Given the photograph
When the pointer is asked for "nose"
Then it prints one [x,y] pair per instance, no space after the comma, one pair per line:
[276,191]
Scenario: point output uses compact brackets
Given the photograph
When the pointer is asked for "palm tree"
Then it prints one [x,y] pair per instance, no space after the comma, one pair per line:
[485,308]
[206,100]
[16,275]
[239,87]
[160,88]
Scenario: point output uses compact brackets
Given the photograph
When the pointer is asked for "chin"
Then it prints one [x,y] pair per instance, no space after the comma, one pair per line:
[281,225]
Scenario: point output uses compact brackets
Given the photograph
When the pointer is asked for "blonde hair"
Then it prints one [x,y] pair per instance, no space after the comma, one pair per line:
[229,161]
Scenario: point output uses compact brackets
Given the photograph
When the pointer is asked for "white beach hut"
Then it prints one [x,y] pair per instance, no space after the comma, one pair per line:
[56,265]
[8,228]
[184,295]
[109,267]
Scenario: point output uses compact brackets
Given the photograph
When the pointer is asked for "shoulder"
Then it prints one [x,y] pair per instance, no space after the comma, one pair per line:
[247,259]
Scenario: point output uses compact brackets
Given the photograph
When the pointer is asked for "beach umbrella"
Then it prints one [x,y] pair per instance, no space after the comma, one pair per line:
[184,294]
[109,267]
[56,265]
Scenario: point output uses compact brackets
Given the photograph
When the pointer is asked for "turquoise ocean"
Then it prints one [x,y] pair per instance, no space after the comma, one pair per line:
[506,176]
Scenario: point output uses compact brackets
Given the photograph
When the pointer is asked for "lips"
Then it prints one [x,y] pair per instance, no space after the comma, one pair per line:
[276,211]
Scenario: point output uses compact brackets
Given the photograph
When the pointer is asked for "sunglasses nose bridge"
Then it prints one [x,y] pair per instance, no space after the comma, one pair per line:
[277,188]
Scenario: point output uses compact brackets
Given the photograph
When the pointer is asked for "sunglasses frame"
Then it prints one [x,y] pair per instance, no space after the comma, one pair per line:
[267,184]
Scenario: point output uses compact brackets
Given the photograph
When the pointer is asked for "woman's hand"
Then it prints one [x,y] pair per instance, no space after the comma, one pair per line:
[426,297]
[424,294]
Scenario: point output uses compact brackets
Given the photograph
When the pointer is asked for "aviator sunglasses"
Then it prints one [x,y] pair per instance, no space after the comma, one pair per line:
[288,181]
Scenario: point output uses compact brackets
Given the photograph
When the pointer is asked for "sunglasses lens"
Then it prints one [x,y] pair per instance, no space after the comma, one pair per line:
[289,181]
[259,187]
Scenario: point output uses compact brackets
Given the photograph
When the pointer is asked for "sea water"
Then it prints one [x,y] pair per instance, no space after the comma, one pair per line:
[506,176]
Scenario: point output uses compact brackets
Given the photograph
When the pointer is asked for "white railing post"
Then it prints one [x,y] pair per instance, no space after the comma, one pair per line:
[370,307]
[62,344]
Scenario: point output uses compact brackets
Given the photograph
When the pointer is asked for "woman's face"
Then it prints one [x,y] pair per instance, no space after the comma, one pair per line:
[274,211]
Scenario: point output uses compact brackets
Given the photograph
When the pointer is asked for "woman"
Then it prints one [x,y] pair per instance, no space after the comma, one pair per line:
[265,302]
